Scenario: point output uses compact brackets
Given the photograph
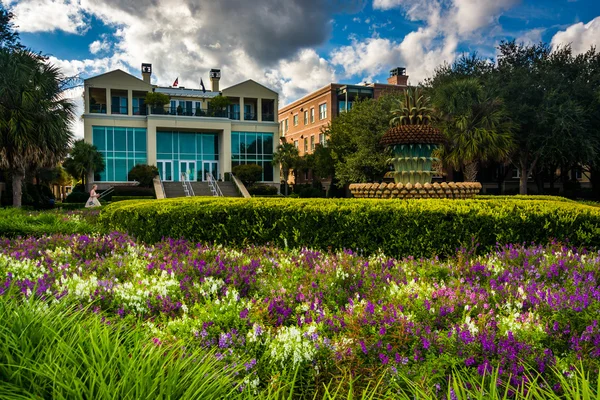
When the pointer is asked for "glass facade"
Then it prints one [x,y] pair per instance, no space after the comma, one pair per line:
[122,148]
[191,153]
[253,148]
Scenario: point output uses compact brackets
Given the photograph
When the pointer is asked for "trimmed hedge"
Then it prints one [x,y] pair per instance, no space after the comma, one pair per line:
[123,198]
[399,228]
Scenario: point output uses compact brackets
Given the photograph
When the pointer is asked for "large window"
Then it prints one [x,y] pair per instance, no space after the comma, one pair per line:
[119,105]
[323,111]
[296,120]
[306,117]
[312,115]
[122,148]
[253,148]
[188,148]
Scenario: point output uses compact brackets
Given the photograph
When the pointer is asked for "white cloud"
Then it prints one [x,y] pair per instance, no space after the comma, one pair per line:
[48,15]
[532,36]
[98,46]
[580,36]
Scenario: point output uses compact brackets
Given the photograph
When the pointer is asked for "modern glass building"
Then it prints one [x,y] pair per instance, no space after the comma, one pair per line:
[186,138]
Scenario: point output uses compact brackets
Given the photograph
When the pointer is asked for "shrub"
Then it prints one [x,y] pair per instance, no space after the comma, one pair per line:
[76,197]
[144,174]
[262,190]
[122,198]
[398,228]
[248,173]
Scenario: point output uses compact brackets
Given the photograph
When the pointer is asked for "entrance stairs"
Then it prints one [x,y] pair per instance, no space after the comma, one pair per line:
[175,189]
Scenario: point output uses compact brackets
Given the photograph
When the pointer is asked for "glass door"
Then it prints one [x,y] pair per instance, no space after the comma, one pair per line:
[165,170]
[188,170]
[210,167]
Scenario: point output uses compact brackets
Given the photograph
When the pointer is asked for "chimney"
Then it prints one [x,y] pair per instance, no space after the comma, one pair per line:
[146,72]
[215,76]
[398,77]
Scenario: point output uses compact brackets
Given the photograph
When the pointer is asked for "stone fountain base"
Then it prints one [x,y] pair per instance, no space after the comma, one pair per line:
[444,190]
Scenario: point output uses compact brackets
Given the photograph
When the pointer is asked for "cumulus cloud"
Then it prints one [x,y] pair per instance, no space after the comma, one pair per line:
[532,36]
[98,46]
[580,36]
[48,15]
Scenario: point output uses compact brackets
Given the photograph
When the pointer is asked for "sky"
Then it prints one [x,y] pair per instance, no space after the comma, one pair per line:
[291,46]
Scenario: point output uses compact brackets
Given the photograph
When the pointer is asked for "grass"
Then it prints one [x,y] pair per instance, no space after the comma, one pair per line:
[19,222]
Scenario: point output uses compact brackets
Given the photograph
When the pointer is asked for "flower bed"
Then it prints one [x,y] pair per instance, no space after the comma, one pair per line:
[516,308]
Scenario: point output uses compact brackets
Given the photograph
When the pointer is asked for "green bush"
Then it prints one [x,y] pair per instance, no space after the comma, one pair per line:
[122,198]
[19,222]
[76,197]
[262,190]
[248,173]
[144,174]
[398,228]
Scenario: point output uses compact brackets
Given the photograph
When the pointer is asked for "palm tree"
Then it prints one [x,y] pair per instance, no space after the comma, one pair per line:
[287,156]
[475,124]
[84,160]
[34,116]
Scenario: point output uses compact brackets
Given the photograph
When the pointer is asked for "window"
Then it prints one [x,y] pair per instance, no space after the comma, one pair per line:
[122,148]
[576,173]
[190,152]
[119,105]
[323,111]
[286,125]
[516,174]
[322,139]
[295,143]
[312,143]
[306,145]
[312,115]
[306,117]
[296,120]
[139,107]
[253,148]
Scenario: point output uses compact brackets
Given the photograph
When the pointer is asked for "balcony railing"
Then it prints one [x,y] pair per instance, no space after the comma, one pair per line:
[119,109]
[98,108]
[250,116]
[139,111]
[198,112]
[268,117]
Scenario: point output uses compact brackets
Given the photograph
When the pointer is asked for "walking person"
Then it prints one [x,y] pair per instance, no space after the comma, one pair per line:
[93,200]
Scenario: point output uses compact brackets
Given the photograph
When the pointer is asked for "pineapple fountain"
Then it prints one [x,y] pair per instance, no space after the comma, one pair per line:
[413,141]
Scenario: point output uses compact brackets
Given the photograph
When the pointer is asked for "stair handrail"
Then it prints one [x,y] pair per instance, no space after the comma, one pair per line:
[107,191]
[191,189]
[214,186]
[240,186]
[158,185]
[184,184]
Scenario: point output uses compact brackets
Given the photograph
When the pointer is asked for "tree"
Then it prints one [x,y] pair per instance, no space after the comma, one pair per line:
[286,156]
[35,118]
[248,173]
[354,140]
[144,174]
[475,124]
[9,38]
[156,100]
[219,103]
[83,161]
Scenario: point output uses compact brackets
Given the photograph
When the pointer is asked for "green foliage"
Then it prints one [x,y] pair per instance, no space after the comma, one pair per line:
[156,99]
[9,38]
[35,117]
[122,198]
[53,351]
[475,124]
[413,108]
[83,159]
[262,190]
[144,174]
[76,197]
[288,158]
[15,223]
[398,228]
[354,136]
[219,102]
[248,173]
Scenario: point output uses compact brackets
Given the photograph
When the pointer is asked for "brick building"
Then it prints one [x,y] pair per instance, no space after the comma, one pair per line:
[302,121]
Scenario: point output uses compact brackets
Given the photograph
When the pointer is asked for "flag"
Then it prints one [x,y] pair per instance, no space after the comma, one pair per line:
[176,82]
[202,86]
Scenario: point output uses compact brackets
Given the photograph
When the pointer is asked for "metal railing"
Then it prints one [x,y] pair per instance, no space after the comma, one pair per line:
[106,192]
[213,185]
[268,117]
[98,108]
[119,110]
[187,185]
[198,112]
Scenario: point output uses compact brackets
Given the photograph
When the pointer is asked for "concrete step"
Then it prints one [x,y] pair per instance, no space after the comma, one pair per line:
[175,189]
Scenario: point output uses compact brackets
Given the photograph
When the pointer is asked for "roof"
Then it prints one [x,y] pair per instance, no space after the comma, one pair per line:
[116,71]
[253,81]
[184,92]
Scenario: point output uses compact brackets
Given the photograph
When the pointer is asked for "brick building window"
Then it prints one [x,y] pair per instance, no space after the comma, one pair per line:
[306,117]
[323,111]
[322,139]
[295,143]
[296,120]
[312,143]
[306,145]
[312,115]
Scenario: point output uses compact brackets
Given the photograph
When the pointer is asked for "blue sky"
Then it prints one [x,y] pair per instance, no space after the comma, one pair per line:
[292,46]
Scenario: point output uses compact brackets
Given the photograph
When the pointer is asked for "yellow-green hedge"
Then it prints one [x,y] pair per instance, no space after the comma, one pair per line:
[399,228]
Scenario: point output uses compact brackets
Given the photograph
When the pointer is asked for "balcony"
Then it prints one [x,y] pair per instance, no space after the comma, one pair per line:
[198,112]
[115,109]
[268,117]
[98,108]
[250,116]
[139,110]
